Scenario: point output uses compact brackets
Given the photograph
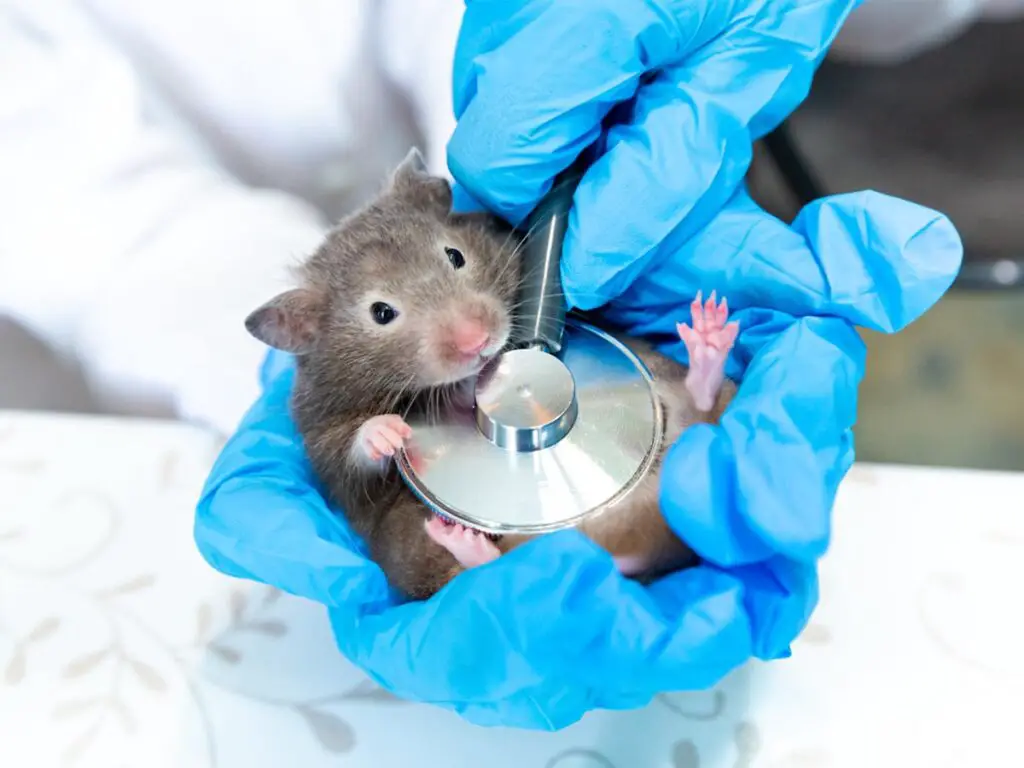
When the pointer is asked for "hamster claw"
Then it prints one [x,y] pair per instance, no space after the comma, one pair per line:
[469,547]
[382,436]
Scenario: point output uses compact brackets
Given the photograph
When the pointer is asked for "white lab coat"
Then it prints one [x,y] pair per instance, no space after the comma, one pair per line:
[162,163]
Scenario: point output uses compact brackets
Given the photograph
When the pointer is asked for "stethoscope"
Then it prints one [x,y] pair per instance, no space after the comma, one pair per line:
[564,422]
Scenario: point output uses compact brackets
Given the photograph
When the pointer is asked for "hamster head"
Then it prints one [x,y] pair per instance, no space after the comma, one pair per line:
[402,295]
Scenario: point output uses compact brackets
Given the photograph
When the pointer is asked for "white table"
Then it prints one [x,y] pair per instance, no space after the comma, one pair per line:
[119,647]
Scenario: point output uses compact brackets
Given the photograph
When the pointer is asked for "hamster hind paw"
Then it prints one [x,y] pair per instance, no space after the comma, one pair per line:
[708,343]
[470,548]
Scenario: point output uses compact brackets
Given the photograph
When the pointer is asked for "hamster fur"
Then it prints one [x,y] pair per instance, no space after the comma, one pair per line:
[396,312]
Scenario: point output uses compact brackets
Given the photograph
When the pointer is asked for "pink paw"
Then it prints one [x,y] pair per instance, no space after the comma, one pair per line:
[708,343]
[471,548]
[382,435]
[630,565]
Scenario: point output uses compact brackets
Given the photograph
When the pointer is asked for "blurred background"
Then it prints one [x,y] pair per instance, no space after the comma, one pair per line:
[943,127]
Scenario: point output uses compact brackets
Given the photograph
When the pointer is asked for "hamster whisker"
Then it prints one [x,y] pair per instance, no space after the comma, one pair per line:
[519,246]
[549,295]
[509,261]
[504,244]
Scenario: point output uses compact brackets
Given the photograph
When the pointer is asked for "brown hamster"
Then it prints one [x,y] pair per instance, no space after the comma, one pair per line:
[397,311]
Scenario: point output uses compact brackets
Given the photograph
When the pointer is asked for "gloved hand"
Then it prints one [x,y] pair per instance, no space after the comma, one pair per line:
[672,92]
[551,630]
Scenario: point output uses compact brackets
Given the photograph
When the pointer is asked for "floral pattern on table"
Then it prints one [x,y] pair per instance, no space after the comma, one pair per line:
[120,647]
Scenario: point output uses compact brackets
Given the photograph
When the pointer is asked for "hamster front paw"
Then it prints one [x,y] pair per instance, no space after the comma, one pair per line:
[708,342]
[381,436]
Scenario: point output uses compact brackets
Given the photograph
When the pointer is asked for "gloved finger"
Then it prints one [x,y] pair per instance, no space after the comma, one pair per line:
[885,261]
[758,610]
[876,261]
[550,616]
[726,74]
[261,515]
[865,259]
[687,144]
[421,650]
[534,80]
[762,481]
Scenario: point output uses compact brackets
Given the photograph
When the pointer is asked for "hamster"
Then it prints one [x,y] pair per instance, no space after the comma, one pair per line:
[397,311]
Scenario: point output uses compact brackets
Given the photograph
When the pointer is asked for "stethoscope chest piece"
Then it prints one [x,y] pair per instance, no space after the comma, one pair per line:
[550,440]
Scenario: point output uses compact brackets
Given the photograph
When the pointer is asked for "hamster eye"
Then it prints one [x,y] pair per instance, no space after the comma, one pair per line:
[383,313]
[455,257]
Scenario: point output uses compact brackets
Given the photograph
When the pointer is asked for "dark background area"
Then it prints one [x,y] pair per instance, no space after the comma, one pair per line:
[946,130]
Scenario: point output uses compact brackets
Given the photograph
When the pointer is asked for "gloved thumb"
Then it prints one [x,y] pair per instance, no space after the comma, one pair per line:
[886,261]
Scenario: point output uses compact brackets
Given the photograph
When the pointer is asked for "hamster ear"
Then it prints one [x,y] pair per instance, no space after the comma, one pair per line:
[289,322]
[413,183]
[412,164]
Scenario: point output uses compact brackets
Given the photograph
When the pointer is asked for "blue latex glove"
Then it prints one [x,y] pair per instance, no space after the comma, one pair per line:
[685,85]
[551,630]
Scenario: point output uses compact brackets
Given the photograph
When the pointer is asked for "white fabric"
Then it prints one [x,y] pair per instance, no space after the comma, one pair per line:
[162,164]
[120,647]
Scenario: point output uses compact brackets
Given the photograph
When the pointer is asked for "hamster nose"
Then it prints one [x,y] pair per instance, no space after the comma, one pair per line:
[469,338]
